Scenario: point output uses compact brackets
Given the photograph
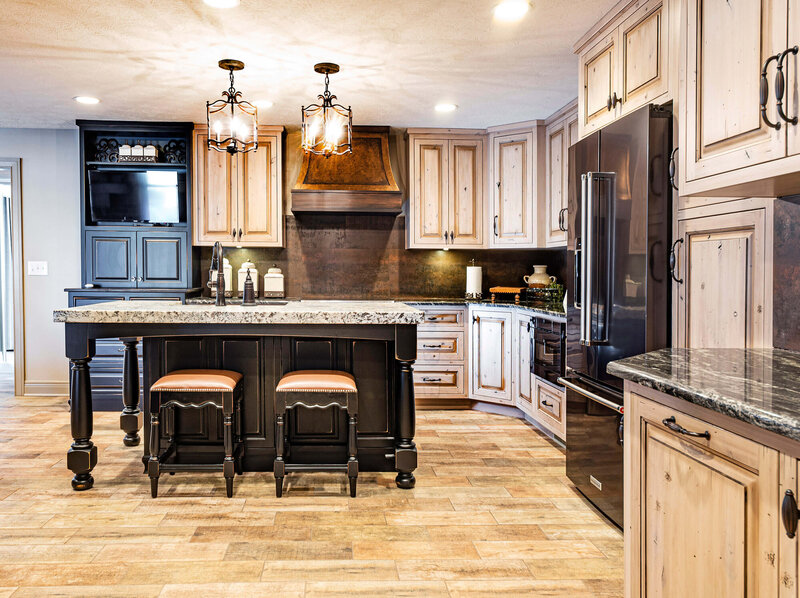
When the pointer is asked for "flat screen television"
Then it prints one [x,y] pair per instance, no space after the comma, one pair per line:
[131,196]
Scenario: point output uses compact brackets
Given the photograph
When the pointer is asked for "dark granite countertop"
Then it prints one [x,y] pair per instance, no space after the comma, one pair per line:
[757,386]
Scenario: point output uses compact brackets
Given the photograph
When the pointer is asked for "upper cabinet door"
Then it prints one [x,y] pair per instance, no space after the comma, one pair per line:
[162,259]
[260,202]
[598,84]
[513,217]
[556,204]
[723,265]
[722,126]
[466,205]
[429,196]
[792,68]
[213,199]
[644,46]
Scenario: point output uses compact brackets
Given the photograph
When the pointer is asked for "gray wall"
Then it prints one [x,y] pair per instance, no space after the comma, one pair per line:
[50,225]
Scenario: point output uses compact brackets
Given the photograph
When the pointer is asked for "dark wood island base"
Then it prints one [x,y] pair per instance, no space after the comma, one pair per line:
[380,356]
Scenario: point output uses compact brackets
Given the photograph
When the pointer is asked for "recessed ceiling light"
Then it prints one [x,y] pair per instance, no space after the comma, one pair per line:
[263,103]
[222,3]
[445,107]
[510,11]
[86,100]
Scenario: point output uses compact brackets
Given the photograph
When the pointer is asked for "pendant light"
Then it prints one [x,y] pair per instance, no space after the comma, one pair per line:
[232,122]
[327,127]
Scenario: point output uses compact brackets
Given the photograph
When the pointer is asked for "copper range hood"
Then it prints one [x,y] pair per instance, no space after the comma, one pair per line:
[360,182]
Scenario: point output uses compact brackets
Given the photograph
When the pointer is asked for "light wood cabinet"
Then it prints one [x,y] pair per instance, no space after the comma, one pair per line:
[725,275]
[522,390]
[561,131]
[515,186]
[238,200]
[447,199]
[440,371]
[792,68]
[701,513]
[624,63]
[490,350]
[789,561]
[549,407]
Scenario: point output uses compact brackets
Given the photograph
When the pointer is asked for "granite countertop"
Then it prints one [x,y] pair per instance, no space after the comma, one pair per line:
[550,309]
[293,312]
[756,386]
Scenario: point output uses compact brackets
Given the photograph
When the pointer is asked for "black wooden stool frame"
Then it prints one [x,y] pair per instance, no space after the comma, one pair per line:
[227,402]
[285,400]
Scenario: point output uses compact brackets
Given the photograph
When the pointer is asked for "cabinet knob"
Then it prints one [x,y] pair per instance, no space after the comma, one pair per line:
[133,279]
[789,514]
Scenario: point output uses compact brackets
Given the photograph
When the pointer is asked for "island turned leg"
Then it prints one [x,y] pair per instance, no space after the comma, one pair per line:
[130,420]
[405,453]
[82,455]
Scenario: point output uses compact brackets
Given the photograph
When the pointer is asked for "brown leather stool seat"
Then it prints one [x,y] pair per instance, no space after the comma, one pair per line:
[318,389]
[221,389]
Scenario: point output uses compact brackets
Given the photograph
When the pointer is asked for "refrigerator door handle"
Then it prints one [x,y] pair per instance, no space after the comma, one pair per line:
[591,236]
[577,298]
[584,258]
[590,395]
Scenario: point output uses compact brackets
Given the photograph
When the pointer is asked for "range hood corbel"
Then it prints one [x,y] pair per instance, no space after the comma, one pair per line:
[359,182]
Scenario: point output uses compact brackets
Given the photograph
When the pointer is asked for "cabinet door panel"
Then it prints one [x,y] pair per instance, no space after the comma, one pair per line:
[429,210]
[514,192]
[259,203]
[110,259]
[521,362]
[162,260]
[213,201]
[645,56]
[721,300]
[792,69]
[556,136]
[598,80]
[728,44]
[466,192]
[491,355]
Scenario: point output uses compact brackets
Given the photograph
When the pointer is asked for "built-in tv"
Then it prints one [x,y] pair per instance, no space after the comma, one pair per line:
[137,196]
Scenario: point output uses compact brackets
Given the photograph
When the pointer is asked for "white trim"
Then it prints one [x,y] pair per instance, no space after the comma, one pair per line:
[15,164]
[45,388]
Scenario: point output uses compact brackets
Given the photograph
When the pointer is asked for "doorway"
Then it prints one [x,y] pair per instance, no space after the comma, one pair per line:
[11,310]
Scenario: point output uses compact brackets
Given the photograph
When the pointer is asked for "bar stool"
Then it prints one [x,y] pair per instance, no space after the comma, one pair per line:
[318,389]
[220,388]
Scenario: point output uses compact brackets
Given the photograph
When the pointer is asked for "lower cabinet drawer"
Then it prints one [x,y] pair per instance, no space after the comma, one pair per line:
[439,380]
[440,346]
[437,318]
[549,404]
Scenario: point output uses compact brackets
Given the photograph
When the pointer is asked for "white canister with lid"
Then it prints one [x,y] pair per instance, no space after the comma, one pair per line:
[227,273]
[273,282]
[243,274]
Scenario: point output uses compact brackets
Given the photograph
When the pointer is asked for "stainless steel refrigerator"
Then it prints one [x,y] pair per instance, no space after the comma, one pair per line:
[619,226]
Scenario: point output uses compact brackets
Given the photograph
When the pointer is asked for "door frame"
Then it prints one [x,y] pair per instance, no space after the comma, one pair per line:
[15,164]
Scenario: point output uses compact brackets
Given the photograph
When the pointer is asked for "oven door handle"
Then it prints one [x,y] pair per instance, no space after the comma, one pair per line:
[590,395]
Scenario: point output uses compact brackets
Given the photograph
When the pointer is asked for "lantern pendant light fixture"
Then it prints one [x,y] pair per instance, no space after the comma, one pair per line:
[232,122]
[327,127]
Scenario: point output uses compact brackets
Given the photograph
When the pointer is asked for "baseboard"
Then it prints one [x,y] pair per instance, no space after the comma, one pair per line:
[45,389]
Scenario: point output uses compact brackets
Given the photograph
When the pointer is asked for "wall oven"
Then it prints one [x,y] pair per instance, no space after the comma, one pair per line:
[548,359]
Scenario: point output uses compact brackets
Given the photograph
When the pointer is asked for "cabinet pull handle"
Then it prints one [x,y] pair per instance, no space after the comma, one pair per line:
[612,101]
[780,85]
[133,279]
[673,261]
[433,318]
[240,234]
[562,226]
[139,279]
[675,427]
[445,237]
[439,346]
[621,430]
[789,514]
[529,326]
[431,379]
[233,233]
[546,404]
[495,222]
[608,103]
[672,169]
[764,93]
[451,236]
[476,319]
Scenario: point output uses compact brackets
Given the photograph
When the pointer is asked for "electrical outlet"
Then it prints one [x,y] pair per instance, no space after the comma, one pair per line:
[37,268]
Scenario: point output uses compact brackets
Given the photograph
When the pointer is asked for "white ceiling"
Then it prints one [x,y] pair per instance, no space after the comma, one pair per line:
[157,59]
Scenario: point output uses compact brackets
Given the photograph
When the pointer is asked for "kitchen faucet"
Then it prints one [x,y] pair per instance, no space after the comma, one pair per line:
[219,282]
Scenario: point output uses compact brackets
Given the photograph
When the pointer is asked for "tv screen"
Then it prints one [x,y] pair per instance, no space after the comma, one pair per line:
[151,196]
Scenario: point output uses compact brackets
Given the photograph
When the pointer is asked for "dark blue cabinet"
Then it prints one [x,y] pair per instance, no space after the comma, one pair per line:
[147,259]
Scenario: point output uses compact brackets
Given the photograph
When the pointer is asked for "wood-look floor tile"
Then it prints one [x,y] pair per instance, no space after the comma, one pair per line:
[24,520]
[282,589]
[575,568]
[344,518]
[395,589]
[329,570]
[183,572]
[29,536]
[383,533]
[46,574]
[6,592]
[287,550]
[128,535]
[439,518]
[566,531]
[224,519]
[446,569]
[104,519]
[183,551]
[545,516]
[100,591]
[533,549]
[250,533]
[402,550]
[47,553]
[474,533]
[521,587]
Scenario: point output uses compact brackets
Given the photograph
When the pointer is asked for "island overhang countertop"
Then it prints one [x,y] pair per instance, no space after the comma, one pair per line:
[293,312]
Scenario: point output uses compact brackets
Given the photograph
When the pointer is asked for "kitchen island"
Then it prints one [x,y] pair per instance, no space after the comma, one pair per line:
[374,340]
[711,449]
